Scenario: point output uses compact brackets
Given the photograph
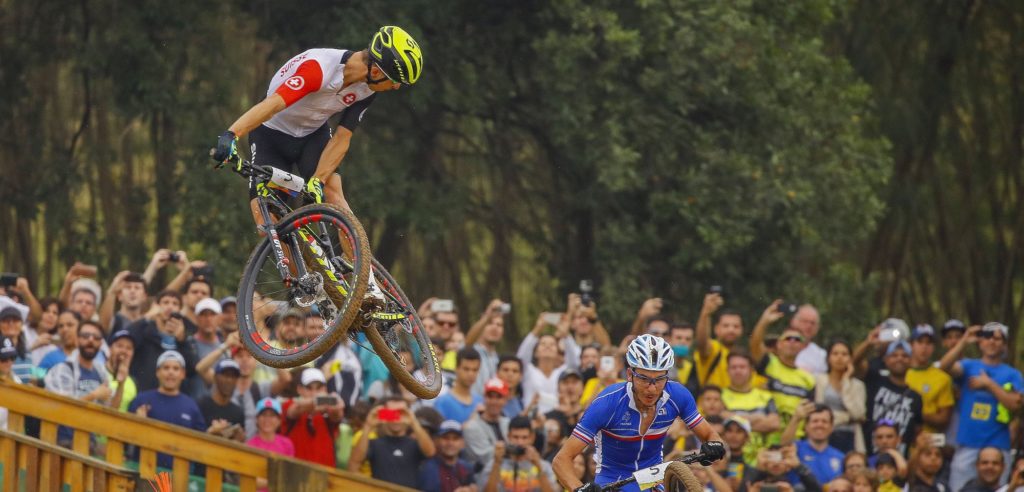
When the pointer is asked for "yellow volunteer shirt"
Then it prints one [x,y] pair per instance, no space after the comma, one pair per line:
[754,402]
[789,386]
[935,388]
[714,369]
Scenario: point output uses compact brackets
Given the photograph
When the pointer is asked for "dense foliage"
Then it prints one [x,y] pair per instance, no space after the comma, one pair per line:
[865,157]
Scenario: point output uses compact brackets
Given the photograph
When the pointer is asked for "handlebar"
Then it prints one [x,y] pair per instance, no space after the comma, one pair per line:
[693,458]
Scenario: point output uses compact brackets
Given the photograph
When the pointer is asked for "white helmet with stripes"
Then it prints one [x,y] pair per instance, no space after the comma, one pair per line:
[651,353]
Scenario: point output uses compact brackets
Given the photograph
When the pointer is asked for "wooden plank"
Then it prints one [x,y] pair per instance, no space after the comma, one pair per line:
[92,478]
[247,483]
[71,475]
[115,452]
[62,453]
[179,474]
[147,464]
[118,483]
[28,462]
[8,472]
[215,479]
[49,471]
[80,442]
[15,423]
[48,432]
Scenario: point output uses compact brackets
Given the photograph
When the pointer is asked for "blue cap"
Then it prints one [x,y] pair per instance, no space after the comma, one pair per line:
[923,330]
[450,426]
[898,344]
[119,334]
[7,349]
[227,365]
[268,404]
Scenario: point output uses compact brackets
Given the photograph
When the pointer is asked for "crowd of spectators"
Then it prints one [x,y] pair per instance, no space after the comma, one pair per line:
[881,411]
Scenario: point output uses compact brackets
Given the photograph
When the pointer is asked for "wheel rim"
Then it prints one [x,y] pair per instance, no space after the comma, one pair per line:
[286,328]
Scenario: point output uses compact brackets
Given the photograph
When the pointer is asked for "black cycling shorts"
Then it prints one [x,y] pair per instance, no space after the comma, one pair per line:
[297,155]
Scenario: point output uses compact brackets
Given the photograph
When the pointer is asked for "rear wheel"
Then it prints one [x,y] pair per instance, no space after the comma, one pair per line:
[400,340]
[679,478]
[273,312]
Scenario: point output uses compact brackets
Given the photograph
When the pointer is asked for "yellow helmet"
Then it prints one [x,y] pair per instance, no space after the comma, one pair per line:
[397,54]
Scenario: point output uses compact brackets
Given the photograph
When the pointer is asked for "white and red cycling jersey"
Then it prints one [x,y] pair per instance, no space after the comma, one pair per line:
[311,85]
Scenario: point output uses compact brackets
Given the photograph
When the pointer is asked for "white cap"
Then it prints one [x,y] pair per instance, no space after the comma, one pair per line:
[208,304]
[170,355]
[313,375]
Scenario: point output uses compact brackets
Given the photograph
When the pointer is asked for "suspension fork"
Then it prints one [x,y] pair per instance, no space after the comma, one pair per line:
[275,242]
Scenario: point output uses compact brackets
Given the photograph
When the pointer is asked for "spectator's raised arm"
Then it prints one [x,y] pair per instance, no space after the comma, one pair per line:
[770,315]
[106,311]
[950,361]
[493,309]
[702,340]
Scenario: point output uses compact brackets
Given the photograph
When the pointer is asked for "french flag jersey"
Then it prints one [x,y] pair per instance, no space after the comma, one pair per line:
[312,86]
[611,424]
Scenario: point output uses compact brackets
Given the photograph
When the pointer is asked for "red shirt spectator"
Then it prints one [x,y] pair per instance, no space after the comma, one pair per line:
[311,423]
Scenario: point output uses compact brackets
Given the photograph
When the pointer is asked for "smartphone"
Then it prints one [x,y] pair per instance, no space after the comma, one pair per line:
[772,457]
[442,306]
[548,400]
[938,440]
[329,400]
[607,363]
[8,279]
[787,308]
[205,272]
[552,318]
[389,415]
[506,308]
[586,288]
[173,257]
[769,487]
[177,315]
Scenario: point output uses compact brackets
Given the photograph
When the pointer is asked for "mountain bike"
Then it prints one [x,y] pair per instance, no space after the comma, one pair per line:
[315,261]
[675,475]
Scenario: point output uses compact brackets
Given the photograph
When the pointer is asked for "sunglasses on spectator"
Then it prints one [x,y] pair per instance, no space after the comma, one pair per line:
[88,336]
[447,323]
[657,333]
[990,334]
[640,378]
[794,338]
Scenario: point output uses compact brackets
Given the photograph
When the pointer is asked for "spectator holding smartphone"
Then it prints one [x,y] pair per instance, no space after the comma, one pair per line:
[990,394]
[162,329]
[122,349]
[312,419]
[517,465]
[402,444]
[779,470]
[218,407]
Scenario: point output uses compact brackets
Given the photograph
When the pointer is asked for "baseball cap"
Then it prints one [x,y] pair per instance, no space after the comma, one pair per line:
[568,373]
[450,426]
[119,334]
[268,404]
[10,312]
[497,386]
[227,365]
[208,304]
[953,325]
[7,349]
[173,355]
[313,375]
[898,344]
[885,459]
[994,326]
[228,300]
[923,330]
[740,421]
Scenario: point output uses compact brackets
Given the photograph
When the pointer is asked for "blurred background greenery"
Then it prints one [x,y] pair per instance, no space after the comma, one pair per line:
[867,157]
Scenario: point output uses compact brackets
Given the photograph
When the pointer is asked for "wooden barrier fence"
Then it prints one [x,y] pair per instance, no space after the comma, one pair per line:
[29,464]
[186,446]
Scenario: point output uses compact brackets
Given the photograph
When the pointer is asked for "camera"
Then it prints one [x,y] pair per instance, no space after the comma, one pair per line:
[204,272]
[586,288]
[716,289]
[506,308]
[787,308]
[515,451]
[8,279]
[173,257]
[442,306]
[177,316]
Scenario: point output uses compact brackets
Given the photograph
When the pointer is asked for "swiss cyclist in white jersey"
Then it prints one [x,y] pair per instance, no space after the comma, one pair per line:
[628,422]
[289,130]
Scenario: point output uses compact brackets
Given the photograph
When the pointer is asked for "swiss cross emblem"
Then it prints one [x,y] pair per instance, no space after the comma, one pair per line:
[295,83]
[348,99]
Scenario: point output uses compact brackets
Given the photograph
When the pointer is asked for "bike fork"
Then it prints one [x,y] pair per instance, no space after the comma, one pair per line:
[275,242]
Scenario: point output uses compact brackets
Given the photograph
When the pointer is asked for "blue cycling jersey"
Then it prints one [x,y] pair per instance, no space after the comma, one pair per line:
[612,425]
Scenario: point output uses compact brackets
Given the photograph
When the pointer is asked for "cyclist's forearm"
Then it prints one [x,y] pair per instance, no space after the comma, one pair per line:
[256,115]
[566,474]
[333,153]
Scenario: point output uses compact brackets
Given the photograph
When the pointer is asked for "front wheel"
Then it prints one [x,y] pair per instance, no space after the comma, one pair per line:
[400,340]
[679,478]
[288,320]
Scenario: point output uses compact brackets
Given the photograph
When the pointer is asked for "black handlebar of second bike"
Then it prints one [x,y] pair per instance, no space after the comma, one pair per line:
[693,458]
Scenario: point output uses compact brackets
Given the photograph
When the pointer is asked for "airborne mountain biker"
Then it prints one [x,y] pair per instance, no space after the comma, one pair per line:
[290,127]
[627,423]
